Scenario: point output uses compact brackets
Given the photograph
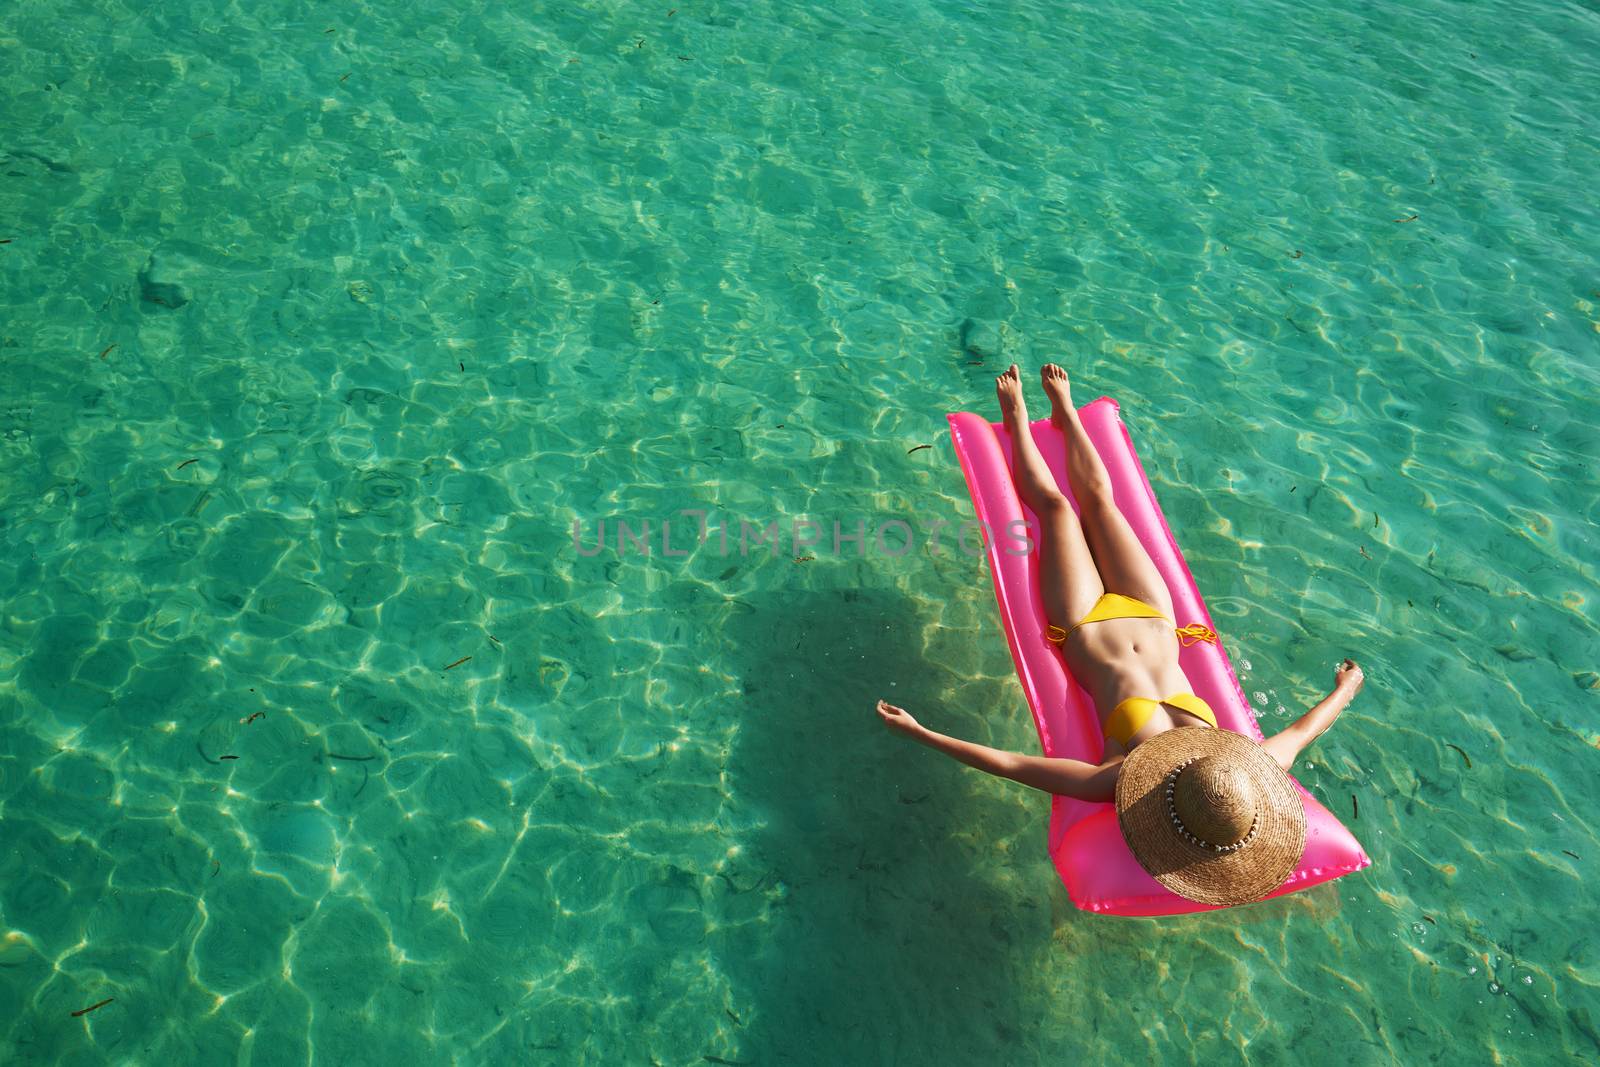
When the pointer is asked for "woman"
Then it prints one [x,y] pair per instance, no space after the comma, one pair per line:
[1213,810]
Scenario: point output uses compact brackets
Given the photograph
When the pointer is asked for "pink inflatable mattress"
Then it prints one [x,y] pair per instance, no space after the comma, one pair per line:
[1085,841]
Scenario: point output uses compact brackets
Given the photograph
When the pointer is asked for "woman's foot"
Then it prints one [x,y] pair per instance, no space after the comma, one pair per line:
[1035,483]
[1059,390]
[1008,387]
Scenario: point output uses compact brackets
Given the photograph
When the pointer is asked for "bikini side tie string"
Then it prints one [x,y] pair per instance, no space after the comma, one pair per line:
[1196,632]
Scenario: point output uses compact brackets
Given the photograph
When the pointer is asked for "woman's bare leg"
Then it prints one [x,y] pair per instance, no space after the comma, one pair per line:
[1068,580]
[1124,565]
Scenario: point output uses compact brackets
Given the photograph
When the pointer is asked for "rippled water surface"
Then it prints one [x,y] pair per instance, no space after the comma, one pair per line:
[322,741]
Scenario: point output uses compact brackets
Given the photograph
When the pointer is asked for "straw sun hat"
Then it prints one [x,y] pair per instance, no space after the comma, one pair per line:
[1210,815]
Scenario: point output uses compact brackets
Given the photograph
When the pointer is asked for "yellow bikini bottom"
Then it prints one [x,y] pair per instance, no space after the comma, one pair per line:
[1117,606]
[1129,717]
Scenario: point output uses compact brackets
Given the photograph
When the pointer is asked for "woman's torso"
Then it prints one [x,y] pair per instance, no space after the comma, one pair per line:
[1120,658]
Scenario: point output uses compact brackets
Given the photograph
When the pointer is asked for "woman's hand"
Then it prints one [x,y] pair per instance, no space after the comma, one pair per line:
[1285,745]
[1348,676]
[898,719]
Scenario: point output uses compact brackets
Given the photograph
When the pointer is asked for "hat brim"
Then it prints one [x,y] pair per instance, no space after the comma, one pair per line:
[1193,871]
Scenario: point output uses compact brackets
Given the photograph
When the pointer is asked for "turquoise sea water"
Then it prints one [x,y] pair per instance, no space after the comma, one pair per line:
[415,287]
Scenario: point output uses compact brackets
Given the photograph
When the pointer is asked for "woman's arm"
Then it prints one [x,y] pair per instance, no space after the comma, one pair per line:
[1286,745]
[1065,777]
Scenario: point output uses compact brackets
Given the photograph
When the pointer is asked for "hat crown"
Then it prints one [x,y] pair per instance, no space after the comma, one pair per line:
[1216,800]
